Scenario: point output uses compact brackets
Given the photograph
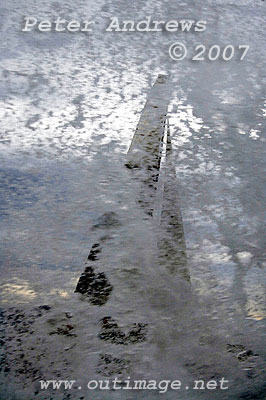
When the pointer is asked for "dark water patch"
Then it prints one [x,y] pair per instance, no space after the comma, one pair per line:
[16,325]
[107,220]
[95,286]
[95,250]
[111,332]
[65,330]
[109,365]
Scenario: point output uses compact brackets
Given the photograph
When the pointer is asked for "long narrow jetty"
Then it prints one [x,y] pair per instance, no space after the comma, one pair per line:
[171,243]
[159,181]
[150,160]
[144,151]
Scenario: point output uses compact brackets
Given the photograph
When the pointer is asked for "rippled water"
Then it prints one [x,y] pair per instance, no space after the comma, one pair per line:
[70,104]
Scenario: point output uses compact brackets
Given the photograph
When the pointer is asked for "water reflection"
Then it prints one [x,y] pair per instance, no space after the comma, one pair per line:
[69,108]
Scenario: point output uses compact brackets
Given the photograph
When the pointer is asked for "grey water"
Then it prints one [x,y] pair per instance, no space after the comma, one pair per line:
[70,104]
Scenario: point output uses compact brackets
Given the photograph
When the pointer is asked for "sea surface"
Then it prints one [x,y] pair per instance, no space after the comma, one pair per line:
[69,106]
